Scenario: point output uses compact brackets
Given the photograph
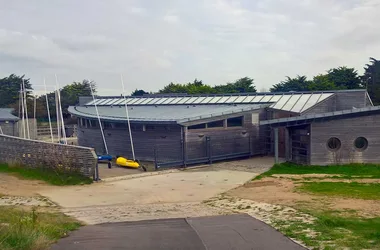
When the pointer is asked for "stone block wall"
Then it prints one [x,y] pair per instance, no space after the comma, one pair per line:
[38,154]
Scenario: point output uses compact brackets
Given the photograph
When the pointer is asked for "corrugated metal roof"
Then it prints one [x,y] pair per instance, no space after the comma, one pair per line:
[6,115]
[296,102]
[313,117]
[174,113]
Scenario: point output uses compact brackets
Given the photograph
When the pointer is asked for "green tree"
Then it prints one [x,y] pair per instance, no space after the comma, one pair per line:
[299,83]
[139,92]
[345,78]
[195,87]
[322,82]
[242,85]
[10,89]
[371,80]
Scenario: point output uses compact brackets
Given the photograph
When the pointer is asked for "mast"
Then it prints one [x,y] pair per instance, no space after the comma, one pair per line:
[60,111]
[127,113]
[22,111]
[48,111]
[57,116]
[26,108]
[97,114]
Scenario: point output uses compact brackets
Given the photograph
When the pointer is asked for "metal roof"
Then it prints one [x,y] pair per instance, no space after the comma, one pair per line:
[296,102]
[6,115]
[166,113]
[315,117]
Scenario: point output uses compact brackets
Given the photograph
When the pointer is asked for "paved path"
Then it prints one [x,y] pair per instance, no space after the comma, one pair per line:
[156,195]
[240,232]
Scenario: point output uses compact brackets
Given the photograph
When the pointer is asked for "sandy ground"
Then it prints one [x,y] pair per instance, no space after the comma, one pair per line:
[186,186]
[12,186]
[125,195]
[281,191]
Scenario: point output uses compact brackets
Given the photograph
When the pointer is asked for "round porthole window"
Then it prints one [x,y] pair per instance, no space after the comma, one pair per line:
[334,144]
[361,143]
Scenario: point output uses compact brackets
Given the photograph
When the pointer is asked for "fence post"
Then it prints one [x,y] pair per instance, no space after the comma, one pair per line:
[183,153]
[250,146]
[155,157]
[208,149]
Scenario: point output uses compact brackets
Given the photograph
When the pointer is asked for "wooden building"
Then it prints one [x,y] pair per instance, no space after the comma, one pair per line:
[179,130]
[8,122]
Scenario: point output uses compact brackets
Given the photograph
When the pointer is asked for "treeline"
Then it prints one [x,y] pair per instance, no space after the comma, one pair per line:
[10,96]
[339,78]
[334,79]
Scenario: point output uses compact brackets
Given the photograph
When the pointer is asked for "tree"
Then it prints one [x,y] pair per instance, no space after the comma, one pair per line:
[371,80]
[322,82]
[139,92]
[195,87]
[10,89]
[299,83]
[242,85]
[345,78]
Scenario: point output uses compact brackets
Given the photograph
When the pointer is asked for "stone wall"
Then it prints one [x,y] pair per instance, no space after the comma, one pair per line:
[59,157]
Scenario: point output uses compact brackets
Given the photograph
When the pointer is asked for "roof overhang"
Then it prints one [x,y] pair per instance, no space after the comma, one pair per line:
[307,119]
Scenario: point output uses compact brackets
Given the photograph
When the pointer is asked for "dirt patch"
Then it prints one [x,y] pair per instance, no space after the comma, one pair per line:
[322,178]
[115,213]
[281,191]
[26,201]
[13,186]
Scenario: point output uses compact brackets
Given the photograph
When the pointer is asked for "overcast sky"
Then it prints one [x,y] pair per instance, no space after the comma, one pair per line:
[154,42]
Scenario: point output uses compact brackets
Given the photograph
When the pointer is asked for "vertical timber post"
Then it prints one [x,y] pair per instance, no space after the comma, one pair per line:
[276,145]
[287,144]
[208,149]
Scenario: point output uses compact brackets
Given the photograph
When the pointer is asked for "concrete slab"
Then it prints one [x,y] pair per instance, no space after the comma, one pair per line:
[238,232]
[186,186]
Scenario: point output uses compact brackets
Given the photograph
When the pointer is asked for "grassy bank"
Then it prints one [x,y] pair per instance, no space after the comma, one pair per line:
[29,230]
[47,175]
[366,191]
[332,231]
[349,171]
[332,228]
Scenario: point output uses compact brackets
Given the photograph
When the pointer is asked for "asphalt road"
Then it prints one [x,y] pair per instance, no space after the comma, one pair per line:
[240,232]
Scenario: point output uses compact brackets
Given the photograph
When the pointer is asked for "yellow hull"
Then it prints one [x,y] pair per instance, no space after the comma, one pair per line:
[123,162]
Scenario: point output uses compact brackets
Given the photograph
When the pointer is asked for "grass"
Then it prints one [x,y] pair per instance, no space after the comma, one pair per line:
[32,230]
[47,175]
[332,229]
[366,191]
[349,171]
[335,232]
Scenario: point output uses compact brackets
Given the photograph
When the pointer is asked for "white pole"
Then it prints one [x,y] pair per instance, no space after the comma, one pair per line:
[26,108]
[1,131]
[22,111]
[57,115]
[100,123]
[127,113]
[60,111]
[48,111]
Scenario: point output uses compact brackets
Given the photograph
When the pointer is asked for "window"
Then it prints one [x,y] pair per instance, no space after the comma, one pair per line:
[334,144]
[198,126]
[235,122]
[361,143]
[216,124]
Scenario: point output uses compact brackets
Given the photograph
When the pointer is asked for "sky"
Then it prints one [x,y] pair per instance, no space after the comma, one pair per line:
[154,42]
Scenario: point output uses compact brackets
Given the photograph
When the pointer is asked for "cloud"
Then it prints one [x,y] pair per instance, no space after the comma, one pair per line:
[155,42]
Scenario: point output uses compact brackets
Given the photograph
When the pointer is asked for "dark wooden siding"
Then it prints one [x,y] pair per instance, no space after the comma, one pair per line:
[9,128]
[351,99]
[328,105]
[165,138]
[346,130]
[224,141]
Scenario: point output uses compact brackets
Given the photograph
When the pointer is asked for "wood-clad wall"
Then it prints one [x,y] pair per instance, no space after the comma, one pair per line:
[346,130]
